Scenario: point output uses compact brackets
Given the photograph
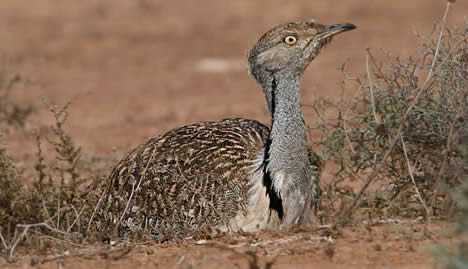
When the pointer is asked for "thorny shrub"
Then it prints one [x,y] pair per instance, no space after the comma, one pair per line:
[416,182]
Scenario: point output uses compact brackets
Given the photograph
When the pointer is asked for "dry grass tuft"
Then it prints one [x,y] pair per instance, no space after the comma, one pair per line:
[54,211]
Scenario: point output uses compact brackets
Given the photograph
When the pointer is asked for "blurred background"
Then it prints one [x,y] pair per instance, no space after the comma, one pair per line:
[136,68]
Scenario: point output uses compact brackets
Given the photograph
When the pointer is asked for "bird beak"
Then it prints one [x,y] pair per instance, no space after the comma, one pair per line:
[333,29]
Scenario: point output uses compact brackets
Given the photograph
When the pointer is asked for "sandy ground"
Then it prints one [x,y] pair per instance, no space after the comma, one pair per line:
[135,68]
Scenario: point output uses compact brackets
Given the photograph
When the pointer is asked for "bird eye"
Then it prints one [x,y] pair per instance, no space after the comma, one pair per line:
[290,40]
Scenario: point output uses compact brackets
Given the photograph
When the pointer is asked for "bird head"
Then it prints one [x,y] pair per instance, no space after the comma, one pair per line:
[291,46]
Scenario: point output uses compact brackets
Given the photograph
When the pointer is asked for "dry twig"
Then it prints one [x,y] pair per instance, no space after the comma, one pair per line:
[372,175]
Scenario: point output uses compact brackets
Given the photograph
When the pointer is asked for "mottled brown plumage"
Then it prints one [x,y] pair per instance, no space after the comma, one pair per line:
[187,178]
[235,174]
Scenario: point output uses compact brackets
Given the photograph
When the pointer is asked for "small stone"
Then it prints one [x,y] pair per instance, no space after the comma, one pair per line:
[34,260]
[378,247]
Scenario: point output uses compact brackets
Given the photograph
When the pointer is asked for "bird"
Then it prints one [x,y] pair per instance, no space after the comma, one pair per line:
[234,174]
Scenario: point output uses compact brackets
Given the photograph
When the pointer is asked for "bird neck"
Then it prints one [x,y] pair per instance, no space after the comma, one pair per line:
[287,141]
[286,102]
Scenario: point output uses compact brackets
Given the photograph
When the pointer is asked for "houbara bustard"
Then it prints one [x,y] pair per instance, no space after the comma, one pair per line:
[231,175]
